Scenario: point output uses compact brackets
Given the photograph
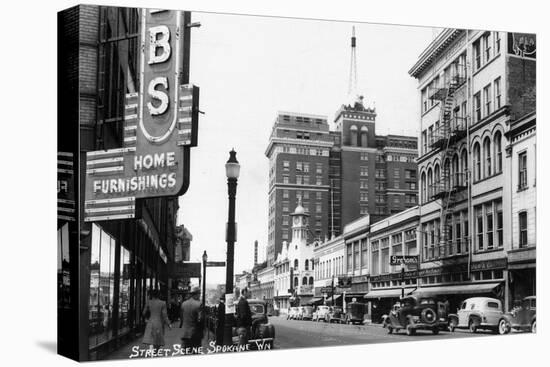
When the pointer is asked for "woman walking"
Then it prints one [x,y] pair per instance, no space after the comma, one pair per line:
[157,319]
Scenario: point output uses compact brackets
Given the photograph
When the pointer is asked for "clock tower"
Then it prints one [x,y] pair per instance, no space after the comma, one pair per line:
[299,224]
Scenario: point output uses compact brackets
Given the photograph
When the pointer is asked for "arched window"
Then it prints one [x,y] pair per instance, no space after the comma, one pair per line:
[364,135]
[312,265]
[430,184]
[310,280]
[304,281]
[487,157]
[477,162]
[329,268]
[447,174]
[423,187]
[497,142]
[456,178]
[296,264]
[306,265]
[296,282]
[437,180]
[464,164]
[353,135]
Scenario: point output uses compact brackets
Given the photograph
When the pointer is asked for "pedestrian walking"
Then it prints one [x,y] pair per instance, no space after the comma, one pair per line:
[243,318]
[220,324]
[156,322]
[191,320]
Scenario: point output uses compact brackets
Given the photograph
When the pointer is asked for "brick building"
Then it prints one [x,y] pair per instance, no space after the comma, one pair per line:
[298,153]
[340,175]
[477,93]
[114,262]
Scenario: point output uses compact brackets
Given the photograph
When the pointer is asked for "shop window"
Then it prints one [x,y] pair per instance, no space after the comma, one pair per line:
[124,290]
[522,229]
[102,272]
[63,271]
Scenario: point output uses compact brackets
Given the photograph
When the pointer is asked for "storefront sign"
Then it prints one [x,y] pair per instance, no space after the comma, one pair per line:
[187,269]
[359,279]
[489,264]
[522,45]
[160,124]
[306,288]
[393,276]
[327,290]
[409,261]
[65,187]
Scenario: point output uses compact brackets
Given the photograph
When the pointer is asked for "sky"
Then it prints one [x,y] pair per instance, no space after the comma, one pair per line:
[250,67]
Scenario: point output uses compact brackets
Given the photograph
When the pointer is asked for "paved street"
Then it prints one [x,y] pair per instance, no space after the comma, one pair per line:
[299,334]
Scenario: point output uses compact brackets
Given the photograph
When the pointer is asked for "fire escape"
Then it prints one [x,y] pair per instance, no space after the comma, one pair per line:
[451,182]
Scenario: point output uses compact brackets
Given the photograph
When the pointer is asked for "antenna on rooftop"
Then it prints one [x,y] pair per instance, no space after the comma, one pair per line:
[352,84]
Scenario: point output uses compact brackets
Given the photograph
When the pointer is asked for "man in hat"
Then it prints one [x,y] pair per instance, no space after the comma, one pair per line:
[221,321]
[243,317]
[191,320]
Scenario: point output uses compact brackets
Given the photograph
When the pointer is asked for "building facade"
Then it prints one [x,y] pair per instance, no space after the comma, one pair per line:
[329,262]
[298,153]
[370,174]
[473,86]
[294,265]
[394,236]
[115,263]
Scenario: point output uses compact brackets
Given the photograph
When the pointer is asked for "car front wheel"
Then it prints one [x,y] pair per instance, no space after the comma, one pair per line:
[503,327]
[452,325]
[534,326]
[472,326]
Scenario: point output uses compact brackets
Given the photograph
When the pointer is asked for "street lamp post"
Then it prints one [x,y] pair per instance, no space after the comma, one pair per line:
[204,260]
[232,170]
[402,279]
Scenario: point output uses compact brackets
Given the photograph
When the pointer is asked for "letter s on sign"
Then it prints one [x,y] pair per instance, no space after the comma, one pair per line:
[157,94]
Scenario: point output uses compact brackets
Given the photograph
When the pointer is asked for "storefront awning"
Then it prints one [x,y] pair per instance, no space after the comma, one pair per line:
[336,296]
[314,301]
[388,293]
[458,289]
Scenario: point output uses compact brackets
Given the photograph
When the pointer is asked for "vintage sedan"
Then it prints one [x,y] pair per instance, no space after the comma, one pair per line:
[321,314]
[292,313]
[336,314]
[479,313]
[523,317]
[307,313]
[261,331]
[355,312]
[416,313]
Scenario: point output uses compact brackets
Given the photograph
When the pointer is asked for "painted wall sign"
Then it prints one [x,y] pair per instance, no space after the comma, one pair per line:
[522,45]
[160,125]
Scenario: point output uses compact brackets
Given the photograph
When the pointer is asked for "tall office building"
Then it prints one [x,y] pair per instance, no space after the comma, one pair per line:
[369,174]
[298,152]
[340,175]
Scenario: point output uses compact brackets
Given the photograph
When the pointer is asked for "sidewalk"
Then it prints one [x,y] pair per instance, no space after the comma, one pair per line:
[172,338]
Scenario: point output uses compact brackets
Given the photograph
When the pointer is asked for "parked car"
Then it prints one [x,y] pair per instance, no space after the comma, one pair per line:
[416,313]
[355,311]
[336,314]
[261,330]
[292,313]
[522,317]
[321,313]
[307,313]
[479,313]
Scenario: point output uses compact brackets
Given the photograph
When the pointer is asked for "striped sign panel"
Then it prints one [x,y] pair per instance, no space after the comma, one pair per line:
[109,209]
[66,209]
[107,165]
[187,115]
[131,120]
[105,162]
